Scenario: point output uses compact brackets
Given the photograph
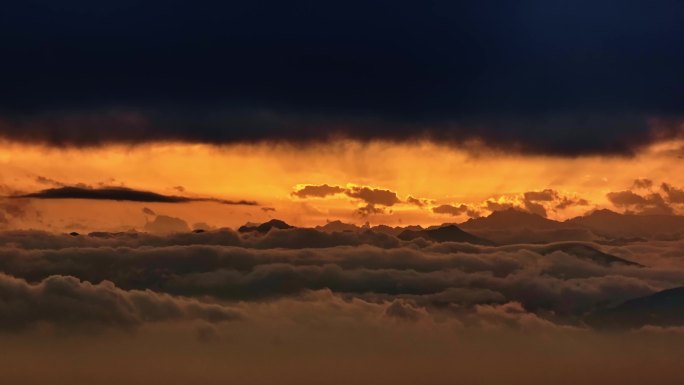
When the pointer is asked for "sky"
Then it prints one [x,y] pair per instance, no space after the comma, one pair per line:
[456,108]
[335,192]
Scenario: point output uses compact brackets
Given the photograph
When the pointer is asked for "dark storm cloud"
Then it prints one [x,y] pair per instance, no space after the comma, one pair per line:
[552,77]
[122,194]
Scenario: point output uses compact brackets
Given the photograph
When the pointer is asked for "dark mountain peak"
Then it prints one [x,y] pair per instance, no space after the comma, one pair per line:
[587,252]
[610,224]
[510,219]
[664,308]
[517,214]
[338,226]
[448,233]
[603,213]
[393,231]
[265,227]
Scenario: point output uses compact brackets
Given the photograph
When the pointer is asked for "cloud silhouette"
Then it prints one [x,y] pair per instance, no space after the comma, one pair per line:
[122,194]
[373,196]
[451,210]
[319,191]
[652,203]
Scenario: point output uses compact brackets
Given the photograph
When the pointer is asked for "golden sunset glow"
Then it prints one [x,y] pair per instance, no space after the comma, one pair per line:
[270,173]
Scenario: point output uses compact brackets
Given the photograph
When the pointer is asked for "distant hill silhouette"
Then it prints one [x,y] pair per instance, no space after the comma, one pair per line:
[665,308]
[511,219]
[449,233]
[164,224]
[516,226]
[265,227]
[394,231]
[338,226]
[584,251]
[615,225]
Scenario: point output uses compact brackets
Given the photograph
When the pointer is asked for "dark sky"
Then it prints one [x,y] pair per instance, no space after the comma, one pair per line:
[549,76]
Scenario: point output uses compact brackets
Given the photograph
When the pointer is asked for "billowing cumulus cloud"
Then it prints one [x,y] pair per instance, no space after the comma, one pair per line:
[664,202]
[341,296]
[66,302]
[426,277]
[540,202]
